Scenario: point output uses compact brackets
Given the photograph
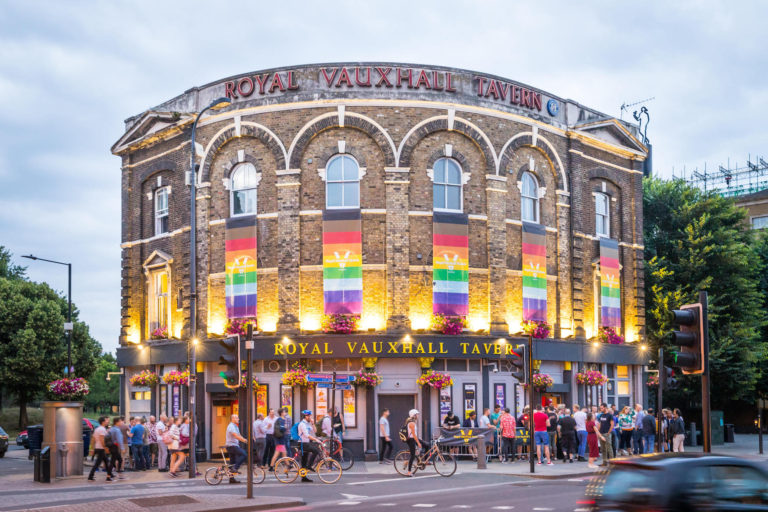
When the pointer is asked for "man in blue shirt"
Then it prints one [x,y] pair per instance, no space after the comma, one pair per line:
[118,445]
[137,446]
[233,440]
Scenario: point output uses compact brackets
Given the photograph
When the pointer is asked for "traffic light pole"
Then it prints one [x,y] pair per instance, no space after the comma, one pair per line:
[249,407]
[662,378]
[706,424]
[529,355]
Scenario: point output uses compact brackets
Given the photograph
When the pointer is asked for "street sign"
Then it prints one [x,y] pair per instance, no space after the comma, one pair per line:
[330,385]
[345,378]
[319,377]
[343,386]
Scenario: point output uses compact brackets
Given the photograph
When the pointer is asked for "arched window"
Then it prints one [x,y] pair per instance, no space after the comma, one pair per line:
[530,198]
[602,215]
[161,210]
[242,200]
[447,187]
[342,183]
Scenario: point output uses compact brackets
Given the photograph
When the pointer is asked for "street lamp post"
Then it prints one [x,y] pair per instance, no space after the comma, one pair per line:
[216,104]
[68,325]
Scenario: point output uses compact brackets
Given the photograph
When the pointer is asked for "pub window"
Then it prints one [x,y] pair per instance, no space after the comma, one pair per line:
[530,198]
[161,210]
[446,190]
[602,215]
[342,183]
[242,199]
[159,301]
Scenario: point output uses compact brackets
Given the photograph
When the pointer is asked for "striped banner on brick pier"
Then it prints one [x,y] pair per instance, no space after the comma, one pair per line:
[342,262]
[240,267]
[450,267]
[534,272]
[610,287]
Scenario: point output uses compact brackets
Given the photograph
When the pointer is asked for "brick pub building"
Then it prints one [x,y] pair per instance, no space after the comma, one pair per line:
[388,192]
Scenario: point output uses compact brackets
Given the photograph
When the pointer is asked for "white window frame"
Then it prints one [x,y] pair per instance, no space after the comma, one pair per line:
[159,301]
[758,217]
[342,181]
[162,214]
[242,167]
[600,196]
[446,184]
[535,198]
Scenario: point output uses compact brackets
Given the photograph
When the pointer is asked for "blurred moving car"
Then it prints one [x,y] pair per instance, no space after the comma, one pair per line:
[680,482]
[3,442]
[23,439]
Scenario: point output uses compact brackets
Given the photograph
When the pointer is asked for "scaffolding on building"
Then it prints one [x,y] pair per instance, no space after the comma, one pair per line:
[732,181]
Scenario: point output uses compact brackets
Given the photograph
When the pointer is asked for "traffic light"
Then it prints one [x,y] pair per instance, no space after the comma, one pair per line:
[690,338]
[231,359]
[668,376]
[520,362]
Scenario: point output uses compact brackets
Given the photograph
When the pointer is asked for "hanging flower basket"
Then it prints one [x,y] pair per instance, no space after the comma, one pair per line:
[541,381]
[535,329]
[161,333]
[145,379]
[68,389]
[239,326]
[609,335]
[451,325]
[177,378]
[366,379]
[435,379]
[653,381]
[591,378]
[244,381]
[340,324]
[297,376]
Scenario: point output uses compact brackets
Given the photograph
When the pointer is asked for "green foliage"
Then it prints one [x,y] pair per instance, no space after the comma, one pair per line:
[699,241]
[7,268]
[104,394]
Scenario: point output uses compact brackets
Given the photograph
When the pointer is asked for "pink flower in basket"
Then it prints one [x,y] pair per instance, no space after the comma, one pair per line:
[591,378]
[435,379]
[145,378]
[340,324]
[535,329]
[161,333]
[609,335]
[239,326]
[368,379]
[68,389]
[297,376]
[451,325]
[177,378]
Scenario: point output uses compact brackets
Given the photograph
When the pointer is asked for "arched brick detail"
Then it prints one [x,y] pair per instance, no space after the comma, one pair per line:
[603,174]
[245,131]
[228,166]
[463,162]
[156,166]
[527,141]
[328,153]
[442,125]
[350,121]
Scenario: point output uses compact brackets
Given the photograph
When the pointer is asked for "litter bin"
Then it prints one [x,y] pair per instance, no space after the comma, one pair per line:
[86,441]
[35,437]
[201,454]
[729,432]
[43,465]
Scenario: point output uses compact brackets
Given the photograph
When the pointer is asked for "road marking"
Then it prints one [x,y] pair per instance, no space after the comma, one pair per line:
[503,507]
[352,496]
[387,504]
[425,505]
[542,508]
[460,506]
[581,510]
[399,479]
[349,503]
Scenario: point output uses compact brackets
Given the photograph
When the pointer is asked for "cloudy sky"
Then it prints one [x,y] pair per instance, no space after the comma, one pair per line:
[71,72]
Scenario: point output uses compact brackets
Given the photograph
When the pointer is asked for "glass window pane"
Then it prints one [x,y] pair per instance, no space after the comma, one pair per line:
[333,172]
[238,203]
[453,200]
[529,210]
[438,194]
[333,194]
[352,194]
[453,174]
[440,171]
[600,204]
[162,283]
[529,185]
[622,372]
[351,172]
[622,387]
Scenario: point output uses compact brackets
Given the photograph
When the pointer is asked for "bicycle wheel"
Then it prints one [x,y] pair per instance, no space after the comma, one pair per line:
[214,476]
[445,463]
[344,458]
[401,462]
[286,470]
[328,470]
[258,474]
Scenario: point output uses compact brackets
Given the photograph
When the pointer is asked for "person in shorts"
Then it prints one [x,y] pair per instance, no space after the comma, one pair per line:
[281,435]
[540,436]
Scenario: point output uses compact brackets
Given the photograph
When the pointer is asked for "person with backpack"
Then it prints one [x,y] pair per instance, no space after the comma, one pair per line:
[99,449]
[114,443]
[280,437]
[411,437]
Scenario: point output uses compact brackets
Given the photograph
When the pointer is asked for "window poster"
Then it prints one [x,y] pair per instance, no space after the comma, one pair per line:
[500,395]
[349,403]
[321,402]
[262,391]
[163,399]
[445,403]
[176,401]
[470,399]
[286,399]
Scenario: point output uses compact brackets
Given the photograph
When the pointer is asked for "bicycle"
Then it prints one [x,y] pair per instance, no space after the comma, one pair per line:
[288,469]
[444,463]
[214,475]
[335,450]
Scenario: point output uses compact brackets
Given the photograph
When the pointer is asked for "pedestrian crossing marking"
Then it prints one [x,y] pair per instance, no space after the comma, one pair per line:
[349,503]
[425,505]
[503,507]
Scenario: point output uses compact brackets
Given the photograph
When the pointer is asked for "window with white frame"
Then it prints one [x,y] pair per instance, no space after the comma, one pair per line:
[760,222]
[602,214]
[242,194]
[447,187]
[342,183]
[161,210]
[159,300]
[530,198]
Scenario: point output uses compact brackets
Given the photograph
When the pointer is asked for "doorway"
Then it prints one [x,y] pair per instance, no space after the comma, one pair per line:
[221,411]
[398,406]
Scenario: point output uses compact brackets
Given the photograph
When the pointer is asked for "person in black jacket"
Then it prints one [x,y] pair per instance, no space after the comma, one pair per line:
[677,431]
[471,422]
[649,432]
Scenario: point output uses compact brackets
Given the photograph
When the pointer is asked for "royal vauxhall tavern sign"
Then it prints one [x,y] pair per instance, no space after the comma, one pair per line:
[384,81]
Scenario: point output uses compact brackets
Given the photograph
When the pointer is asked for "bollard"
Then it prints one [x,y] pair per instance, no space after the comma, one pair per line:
[481,457]
[694,441]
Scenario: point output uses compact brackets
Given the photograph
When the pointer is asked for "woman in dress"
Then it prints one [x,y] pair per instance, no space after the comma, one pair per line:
[592,433]
[177,456]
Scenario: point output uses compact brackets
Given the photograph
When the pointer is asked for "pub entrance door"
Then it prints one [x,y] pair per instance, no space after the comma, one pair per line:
[398,406]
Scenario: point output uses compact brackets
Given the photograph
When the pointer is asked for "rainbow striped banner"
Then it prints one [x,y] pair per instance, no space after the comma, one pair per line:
[450,264]
[240,267]
[342,262]
[610,287]
[534,272]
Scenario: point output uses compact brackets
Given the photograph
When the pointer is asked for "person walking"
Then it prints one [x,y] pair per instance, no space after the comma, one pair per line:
[552,431]
[279,433]
[233,439]
[648,430]
[338,424]
[309,451]
[385,437]
[593,432]
[99,450]
[507,425]
[606,434]
[269,429]
[677,431]
[412,437]
[152,438]
[580,417]
[626,427]
[637,433]
[566,430]
[177,455]
[162,448]
[541,437]
[136,434]
[259,439]
[117,448]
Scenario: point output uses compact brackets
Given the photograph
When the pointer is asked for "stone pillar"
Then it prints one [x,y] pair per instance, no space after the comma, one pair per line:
[564,296]
[496,193]
[288,188]
[397,243]
[202,211]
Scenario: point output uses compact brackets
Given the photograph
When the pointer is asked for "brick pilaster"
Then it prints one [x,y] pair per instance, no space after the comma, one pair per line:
[288,205]
[397,182]
[496,200]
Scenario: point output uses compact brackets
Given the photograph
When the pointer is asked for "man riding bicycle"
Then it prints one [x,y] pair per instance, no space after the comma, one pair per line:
[307,440]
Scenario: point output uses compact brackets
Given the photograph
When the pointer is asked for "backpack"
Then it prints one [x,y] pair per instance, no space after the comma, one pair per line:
[108,442]
[279,430]
[295,432]
[403,432]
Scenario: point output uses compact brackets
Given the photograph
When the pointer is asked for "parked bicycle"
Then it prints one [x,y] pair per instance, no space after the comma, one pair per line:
[335,449]
[214,475]
[444,463]
[288,469]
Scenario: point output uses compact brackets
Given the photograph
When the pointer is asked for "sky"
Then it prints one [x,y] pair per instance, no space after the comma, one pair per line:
[72,72]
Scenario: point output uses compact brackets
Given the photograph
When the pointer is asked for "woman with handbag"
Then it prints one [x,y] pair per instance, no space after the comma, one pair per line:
[338,424]
[177,455]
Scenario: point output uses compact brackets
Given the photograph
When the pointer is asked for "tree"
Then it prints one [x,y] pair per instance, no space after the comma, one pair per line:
[104,393]
[699,241]
[7,269]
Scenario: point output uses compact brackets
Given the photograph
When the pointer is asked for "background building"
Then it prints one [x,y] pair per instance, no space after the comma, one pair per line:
[434,187]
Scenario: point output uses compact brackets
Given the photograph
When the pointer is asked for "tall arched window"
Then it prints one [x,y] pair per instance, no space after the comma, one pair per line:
[602,215]
[242,200]
[530,198]
[161,210]
[447,189]
[342,183]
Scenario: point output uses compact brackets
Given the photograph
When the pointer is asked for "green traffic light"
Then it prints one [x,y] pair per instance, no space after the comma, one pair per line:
[223,375]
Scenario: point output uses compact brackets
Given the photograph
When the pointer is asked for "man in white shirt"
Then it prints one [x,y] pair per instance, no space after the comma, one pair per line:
[485,419]
[384,435]
[308,450]
[581,430]
[327,426]
[269,429]
[236,454]
[162,448]
[259,438]
[99,449]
